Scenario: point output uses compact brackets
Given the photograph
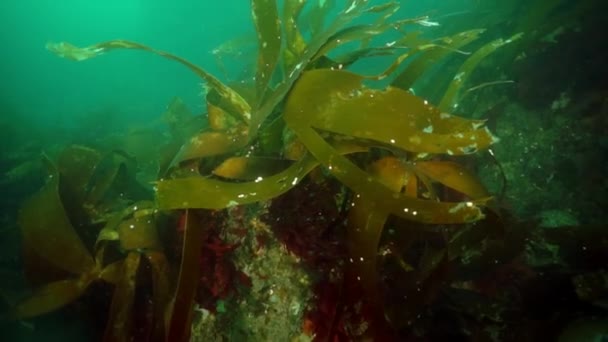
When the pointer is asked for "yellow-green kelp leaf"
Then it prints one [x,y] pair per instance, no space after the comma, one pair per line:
[47,230]
[449,100]
[268,27]
[251,168]
[454,176]
[120,318]
[393,116]
[208,193]
[206,144]
[200,192]
[340,90]
[294,42]
[365,222]
[50,297]
[239,107]
[430,54]
[375,192]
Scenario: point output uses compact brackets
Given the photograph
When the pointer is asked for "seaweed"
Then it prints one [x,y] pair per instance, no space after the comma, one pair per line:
[393,150]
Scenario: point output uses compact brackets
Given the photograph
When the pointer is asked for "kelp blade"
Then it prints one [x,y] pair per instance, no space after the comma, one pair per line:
[160,290]
[393,117]
[200,192]
[50,298]
[365,225]
[207,193]
[239,107]
[268,27]
[429,56]
[398,204]
[43,216]
[182,308]
[454,176]
[120,319]
[251,168]
[449,100]
[299,113]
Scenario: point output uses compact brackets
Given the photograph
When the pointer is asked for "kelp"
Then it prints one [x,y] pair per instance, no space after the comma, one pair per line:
[449,98]
[268,26]
[219,194]
[305,111]
[42,216]
[431,54]
[182,306]
[294,41]
[46,214]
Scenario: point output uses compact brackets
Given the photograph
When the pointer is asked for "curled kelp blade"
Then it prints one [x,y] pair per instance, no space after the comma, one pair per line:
[454,176]
[391,172]
[397,204]
[207,144]
[251,168]
[238,106]
[300,115]
[401,176]
[393,116]
[208,193]
[200,192]
[43,216]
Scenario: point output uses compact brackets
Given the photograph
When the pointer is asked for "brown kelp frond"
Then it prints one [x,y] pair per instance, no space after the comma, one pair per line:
[77,197]
[239,107]
[392,117]
[268,26]
[44,213]
[448,102]
[178,193]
